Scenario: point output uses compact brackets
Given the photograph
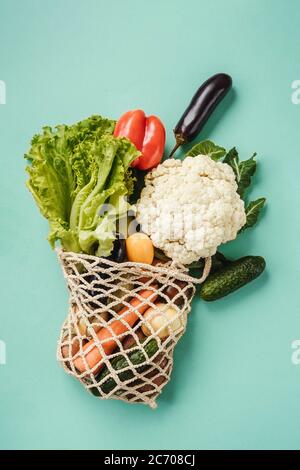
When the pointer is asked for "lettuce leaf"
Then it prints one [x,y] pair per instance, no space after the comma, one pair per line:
[105,196]
[74,172]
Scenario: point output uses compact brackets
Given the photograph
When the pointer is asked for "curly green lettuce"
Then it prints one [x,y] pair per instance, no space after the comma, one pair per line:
[80,179]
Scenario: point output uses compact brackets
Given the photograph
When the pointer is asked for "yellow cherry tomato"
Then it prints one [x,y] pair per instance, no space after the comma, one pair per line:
[139,248]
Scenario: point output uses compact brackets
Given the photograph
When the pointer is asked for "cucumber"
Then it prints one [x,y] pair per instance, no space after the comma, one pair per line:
[232,277]
[120,362]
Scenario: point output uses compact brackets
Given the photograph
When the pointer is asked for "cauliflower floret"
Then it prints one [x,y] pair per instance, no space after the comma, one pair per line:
[189,207]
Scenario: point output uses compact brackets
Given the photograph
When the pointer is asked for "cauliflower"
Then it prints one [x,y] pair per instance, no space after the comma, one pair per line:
[189,207]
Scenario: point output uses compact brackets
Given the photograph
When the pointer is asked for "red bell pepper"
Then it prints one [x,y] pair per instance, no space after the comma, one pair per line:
[146,133]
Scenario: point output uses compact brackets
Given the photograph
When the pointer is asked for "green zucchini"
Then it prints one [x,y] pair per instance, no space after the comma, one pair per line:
[120,362]
[232,277]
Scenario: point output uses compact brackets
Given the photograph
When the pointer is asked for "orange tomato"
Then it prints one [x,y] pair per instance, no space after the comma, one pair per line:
[140,248]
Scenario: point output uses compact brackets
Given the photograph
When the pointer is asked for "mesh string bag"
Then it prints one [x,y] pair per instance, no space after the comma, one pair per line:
[103,342]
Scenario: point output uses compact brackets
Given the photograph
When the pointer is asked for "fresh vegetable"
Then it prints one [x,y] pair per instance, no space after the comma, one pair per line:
[130,340]
[161,320]
[146,133]
[244,171]
[158,378]
[138,184]
[232,277]
[69,351]
[85,324]
[156,375]
[207,147]
[174,292]
[129,316]
[119,363]
[79,176]
[132,125]
[82,326]
[119,251]
[218,261]
[124,287]
[159,262]
[189,207]
[96,288]
[200,108]
[252,212]
[140,248]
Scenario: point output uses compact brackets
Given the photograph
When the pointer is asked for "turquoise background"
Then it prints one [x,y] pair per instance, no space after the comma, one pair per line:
[234,384]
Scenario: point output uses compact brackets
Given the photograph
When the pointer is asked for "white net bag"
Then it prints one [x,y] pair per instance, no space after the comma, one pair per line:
[123,324]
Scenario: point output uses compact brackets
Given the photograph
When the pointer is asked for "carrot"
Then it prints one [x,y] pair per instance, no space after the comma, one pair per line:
[94,356]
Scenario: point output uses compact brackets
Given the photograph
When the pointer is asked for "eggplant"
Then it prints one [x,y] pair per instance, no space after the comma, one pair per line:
[119,251]
[97,288]
[203,103]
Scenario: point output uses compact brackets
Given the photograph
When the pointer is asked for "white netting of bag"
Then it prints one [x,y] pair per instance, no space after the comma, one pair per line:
[103,342]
